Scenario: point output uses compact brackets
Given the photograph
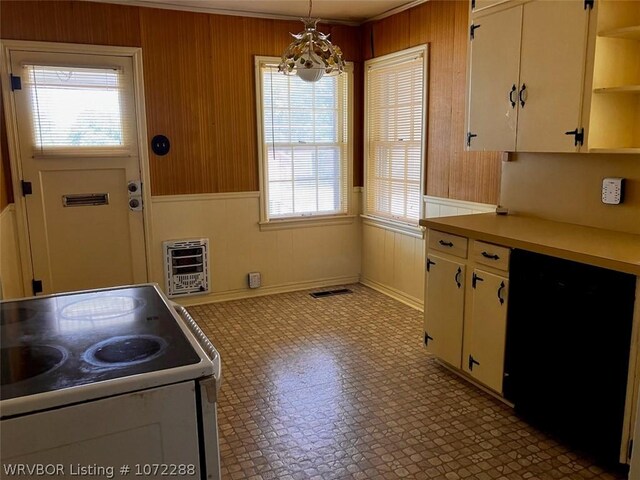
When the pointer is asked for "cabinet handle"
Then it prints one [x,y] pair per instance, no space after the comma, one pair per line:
[499,293]
[457,277]
[472,362]
[520,95]
[445,244]
[491,256]
[475,279]
[511,100]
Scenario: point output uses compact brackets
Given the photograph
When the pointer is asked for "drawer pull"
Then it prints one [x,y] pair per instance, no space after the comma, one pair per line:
[445,244]
[457,277]
[499,292]
[491,256]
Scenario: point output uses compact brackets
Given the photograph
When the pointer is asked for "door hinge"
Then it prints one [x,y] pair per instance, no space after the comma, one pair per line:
[473,4]
[427,337]
[27,188]
[37,286]
[469,137]
[472,362]
[429,263]
[16,82]
[472,31]
[589,4]
[475,279]
[578,136]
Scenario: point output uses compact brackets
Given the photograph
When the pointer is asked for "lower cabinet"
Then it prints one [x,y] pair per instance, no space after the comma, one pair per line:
[485,329]
[465,312]
[444,308]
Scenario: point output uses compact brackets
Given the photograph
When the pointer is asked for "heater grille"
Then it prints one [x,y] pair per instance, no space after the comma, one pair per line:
[186,266]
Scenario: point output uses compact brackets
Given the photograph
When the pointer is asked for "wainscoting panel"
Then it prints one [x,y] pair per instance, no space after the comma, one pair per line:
[10,270]
[288,259]
[446,207]
[393,262]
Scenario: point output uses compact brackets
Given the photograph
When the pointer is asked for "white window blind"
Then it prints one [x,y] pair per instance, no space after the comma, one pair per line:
[77,110]
[395,102]
[304,151]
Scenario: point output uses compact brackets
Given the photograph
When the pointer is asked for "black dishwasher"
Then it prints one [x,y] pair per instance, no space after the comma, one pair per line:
[567,352]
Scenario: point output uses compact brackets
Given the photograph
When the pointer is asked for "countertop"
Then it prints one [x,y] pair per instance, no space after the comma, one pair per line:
[604,248]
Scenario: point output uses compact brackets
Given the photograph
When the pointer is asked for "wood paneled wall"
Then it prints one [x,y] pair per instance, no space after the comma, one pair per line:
[450,171]
[199,81]
[200,92]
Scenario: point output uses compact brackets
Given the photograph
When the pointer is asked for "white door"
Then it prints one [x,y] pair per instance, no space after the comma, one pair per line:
[79,159]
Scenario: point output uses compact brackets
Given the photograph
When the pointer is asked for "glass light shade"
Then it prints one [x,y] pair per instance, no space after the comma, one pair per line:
[310,74]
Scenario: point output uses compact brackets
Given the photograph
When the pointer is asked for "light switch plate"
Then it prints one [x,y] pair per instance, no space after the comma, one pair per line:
[612,190]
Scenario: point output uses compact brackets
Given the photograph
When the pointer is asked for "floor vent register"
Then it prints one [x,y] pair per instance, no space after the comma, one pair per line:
[329,293]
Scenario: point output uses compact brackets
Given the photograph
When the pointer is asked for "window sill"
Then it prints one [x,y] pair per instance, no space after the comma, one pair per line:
[411,230]
[305,222]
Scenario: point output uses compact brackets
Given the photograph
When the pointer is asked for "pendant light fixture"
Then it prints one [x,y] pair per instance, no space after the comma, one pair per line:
[311,55]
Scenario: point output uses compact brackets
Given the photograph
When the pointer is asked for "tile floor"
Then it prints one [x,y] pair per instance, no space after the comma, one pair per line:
[341,388]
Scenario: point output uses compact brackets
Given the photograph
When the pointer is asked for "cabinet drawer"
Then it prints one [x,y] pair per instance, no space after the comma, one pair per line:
[492,255]
[448,243]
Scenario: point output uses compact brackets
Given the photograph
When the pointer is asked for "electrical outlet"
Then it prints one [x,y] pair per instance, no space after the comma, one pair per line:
[612,190]
[255,279]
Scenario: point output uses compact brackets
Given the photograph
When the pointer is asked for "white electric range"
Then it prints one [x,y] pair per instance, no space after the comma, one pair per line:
[107,383]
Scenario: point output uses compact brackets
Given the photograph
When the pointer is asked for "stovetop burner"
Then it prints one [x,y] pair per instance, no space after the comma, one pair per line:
[28,361]
[101,308]
[125,350]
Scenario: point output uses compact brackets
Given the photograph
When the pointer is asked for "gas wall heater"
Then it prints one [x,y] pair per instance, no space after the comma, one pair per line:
[186,266]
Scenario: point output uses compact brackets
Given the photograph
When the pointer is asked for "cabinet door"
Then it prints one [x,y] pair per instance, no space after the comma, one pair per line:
[485,329]
[493,80]
[554,45]
[444,308]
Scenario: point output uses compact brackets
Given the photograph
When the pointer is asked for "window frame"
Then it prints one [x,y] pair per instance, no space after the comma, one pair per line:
[293,221]
[372,218]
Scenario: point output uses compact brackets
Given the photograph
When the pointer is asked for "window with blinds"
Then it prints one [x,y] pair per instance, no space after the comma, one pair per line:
[304,132]
[394,137]
[77,110]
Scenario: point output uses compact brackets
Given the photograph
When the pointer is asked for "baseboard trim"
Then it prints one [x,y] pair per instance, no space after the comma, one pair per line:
[393,293]
[262,291]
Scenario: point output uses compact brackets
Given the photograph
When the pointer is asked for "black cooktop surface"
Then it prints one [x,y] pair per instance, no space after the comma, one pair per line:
[67,340]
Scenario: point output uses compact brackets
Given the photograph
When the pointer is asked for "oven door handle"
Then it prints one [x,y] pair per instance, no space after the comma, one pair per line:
[212,387]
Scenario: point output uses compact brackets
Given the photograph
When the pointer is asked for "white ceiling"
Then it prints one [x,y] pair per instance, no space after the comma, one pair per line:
[340,11]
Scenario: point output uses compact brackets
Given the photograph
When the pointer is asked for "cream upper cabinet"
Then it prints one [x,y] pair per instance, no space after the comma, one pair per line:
[526,76]
[444,308]
[485,329]
[493,87]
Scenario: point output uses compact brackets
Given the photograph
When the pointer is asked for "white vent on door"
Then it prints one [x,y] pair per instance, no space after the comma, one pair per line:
[186,266]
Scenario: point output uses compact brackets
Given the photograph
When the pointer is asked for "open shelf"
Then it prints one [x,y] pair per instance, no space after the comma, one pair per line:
[630,33]
[620,89]
[614,150]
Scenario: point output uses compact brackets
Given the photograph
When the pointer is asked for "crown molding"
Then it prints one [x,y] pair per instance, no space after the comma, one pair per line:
[239,13]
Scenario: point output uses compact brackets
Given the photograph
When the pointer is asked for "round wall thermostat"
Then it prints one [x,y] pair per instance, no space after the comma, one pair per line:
[160,145]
